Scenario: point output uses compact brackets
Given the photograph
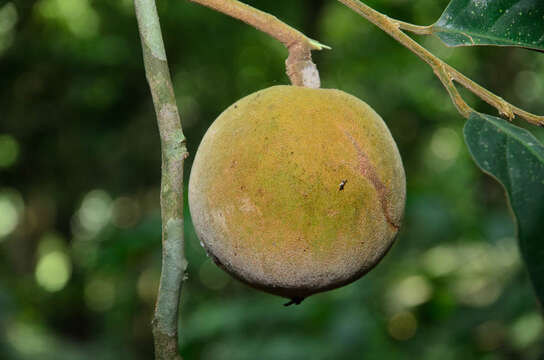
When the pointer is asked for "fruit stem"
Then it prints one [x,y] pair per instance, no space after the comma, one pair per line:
[300,68]
[443,71]
[174,152]
[294,301]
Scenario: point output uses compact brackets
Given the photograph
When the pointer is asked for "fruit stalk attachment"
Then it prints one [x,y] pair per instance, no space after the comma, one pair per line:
[299,65]
[173,151]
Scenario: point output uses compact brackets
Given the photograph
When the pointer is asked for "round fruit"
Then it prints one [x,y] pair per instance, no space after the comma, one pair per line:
[296,191]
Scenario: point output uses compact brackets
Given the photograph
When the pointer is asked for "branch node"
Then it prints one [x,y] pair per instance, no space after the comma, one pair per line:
[505,109]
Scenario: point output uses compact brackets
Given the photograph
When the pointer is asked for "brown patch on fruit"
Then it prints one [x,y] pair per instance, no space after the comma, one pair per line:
[369,171]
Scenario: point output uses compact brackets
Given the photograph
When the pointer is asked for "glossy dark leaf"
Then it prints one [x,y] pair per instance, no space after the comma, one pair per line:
[515,158]
[492,22]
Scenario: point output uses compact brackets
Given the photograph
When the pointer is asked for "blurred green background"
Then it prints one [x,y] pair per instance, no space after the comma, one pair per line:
[80,173]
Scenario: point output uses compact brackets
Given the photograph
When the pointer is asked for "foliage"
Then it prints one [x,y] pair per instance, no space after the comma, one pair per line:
[497,22]
[515,158]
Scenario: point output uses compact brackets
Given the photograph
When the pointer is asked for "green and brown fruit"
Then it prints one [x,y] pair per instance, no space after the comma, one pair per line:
[296,191]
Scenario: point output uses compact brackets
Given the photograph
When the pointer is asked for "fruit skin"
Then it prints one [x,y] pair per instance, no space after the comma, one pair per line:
[296,191]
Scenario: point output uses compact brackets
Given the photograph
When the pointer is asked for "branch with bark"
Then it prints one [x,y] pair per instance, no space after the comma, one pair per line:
[173,152]
[299,65]
[443,71]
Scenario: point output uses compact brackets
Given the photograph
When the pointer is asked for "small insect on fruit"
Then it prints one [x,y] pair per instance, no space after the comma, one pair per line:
[265,196]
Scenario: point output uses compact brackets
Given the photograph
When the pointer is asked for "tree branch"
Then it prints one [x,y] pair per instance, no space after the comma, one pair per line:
[173,151]
[300,68]
[445,72]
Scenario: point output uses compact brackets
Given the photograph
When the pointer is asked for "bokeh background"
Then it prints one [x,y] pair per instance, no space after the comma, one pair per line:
[80,173]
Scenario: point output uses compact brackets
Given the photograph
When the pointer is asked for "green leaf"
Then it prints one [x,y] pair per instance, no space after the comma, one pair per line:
[492,22]
[515,158]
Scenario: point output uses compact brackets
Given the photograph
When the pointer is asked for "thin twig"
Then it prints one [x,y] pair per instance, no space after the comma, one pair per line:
[300,68]
[416,29]
[445,72]
[462,107]
[174,151]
